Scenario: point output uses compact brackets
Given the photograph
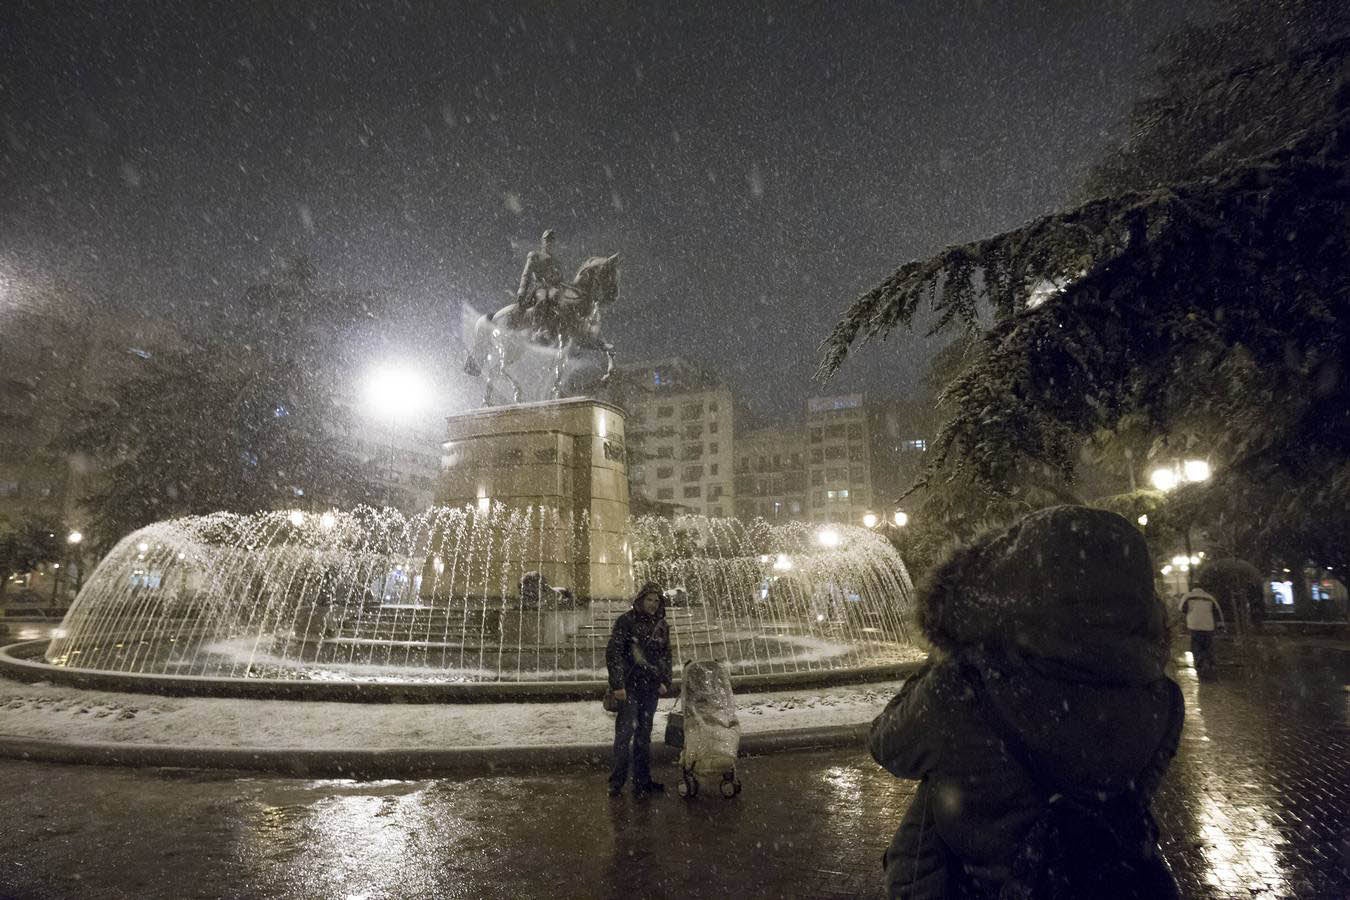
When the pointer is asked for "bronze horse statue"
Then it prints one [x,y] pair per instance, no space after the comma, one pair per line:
[563,319]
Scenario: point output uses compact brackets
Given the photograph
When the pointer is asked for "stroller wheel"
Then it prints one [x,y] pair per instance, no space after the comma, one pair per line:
[688,786]
[730,787]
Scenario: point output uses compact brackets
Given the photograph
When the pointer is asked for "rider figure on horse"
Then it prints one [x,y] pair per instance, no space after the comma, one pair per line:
[542,279]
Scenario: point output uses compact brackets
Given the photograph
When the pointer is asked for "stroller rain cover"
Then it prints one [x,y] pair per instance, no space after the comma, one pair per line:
[712,733]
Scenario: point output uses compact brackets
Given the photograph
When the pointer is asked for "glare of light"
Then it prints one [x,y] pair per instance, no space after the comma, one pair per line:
[396,393]
[1195,560]
[58,633]
[56,565]
[182,555]
[438,564]
[1163,479]
[1195,470]
[327,521]
[297,518]
[901,518]
[827,537]
[143,546]
[1167,570]
[783,563]
[1182,562]
[1286,571]
[764,557]
[820,617]
[1143,520]
[484,504]
[870,520]
[74,537]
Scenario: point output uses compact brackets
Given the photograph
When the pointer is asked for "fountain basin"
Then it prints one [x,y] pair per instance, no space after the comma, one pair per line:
[452,601]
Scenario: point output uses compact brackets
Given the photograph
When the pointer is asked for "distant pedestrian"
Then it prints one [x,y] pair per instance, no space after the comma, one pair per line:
[1201,609]
[1042,723]
[639,663]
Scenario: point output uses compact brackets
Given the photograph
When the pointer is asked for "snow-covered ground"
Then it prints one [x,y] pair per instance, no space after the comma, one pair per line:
[49,712]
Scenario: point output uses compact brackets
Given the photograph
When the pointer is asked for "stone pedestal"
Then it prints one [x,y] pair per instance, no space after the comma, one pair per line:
[566,456]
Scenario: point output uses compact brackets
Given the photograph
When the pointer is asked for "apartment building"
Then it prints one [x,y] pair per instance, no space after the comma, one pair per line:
[838,459]
[771,474]
[680,429]
[402,461]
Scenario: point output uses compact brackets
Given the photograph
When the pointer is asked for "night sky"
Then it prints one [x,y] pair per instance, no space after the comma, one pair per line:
[757,165]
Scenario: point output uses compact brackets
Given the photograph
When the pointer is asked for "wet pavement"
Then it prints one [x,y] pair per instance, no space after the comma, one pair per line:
[1256,805]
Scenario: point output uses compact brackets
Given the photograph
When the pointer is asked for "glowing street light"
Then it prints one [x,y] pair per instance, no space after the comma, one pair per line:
[827,537]
[74,537]
[1195,470]
[901,518]
[327,521]
[783,563]
[870,520]
[1143,520]
[1164,479]
[297,518]
[396,393]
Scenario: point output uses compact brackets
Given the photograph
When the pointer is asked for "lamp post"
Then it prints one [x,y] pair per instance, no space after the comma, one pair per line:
[74,540]
[1167,479]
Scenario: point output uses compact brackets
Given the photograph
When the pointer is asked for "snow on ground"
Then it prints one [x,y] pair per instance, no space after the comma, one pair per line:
[48,712]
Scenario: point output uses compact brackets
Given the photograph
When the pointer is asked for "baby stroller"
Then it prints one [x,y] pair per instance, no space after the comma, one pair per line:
[712,733]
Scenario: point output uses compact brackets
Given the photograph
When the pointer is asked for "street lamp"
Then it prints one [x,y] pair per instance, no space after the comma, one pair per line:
[1166,479]
[73,540]
[396,393]
[901,518]
[827,537]
[870,520]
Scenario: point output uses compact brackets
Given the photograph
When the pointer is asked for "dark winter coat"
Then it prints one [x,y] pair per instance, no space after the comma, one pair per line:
[638,655]
[1053,627]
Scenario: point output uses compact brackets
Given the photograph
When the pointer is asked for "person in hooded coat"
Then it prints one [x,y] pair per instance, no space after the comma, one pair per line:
[1044,698]
[639,663]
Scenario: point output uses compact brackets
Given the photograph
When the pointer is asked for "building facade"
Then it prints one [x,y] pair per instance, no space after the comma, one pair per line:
[681,428]
[838,459]
[771,474]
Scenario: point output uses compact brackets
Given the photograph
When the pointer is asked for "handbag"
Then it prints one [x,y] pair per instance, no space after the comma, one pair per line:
[609,701]
[674,736]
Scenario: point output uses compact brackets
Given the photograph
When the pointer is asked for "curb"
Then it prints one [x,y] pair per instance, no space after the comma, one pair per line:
[397,763]
[17,662]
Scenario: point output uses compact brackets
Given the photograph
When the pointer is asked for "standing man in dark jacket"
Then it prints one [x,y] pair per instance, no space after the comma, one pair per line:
[1043,722]
[638,658]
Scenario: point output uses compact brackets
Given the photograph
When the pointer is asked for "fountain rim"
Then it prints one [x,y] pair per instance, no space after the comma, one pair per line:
[21,661]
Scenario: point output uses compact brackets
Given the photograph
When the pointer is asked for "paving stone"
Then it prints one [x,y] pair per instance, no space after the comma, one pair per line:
[1256,805]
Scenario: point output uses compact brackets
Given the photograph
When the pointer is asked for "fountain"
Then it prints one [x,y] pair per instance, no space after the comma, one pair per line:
[509,585]
[456,595]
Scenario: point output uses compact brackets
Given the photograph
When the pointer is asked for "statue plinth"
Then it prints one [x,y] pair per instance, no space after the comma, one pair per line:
[566,457]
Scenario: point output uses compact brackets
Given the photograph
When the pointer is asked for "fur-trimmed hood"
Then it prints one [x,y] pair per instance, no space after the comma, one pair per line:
[1069,590]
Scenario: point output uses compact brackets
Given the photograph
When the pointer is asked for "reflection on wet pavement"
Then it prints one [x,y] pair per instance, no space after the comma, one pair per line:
[1255,806]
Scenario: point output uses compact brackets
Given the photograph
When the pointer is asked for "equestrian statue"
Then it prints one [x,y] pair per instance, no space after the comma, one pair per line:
[553,317]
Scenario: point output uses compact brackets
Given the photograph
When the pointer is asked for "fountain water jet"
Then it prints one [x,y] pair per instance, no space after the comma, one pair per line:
[458,594]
